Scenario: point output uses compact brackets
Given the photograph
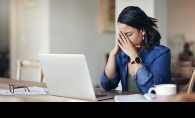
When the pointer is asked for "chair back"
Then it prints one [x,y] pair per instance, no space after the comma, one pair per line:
[29,63]
[183,76]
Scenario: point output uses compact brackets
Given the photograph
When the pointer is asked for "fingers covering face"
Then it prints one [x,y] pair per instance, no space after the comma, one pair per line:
[119,43]
[124,37]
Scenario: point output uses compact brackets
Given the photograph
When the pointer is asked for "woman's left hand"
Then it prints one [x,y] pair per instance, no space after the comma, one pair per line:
[126,45]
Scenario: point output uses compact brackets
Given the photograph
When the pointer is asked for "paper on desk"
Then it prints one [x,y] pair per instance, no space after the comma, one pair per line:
[135,98]
[21,91]
[78,100]
[45,89]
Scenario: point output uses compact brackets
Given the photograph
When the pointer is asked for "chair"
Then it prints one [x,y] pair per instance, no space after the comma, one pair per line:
[183,97]
[183,77]
[188,63]
[29,63]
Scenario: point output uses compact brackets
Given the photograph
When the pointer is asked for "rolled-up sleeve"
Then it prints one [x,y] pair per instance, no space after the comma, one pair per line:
[156,73]
[108,84]
[143,75]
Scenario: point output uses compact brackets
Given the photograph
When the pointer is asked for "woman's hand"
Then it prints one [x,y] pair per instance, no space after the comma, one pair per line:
[115,50]
[126,46]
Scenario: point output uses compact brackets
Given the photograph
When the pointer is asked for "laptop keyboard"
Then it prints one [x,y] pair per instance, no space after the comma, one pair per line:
[96,95]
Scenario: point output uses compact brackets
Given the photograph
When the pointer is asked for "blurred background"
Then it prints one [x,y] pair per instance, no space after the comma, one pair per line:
[32,27]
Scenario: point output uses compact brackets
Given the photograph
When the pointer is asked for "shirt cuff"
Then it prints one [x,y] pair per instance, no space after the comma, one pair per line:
[142,76]
[105,79]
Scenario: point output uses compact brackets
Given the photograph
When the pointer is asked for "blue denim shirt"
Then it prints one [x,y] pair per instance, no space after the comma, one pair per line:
[155,70]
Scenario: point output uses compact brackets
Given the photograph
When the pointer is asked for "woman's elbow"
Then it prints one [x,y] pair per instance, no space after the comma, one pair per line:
[106,87]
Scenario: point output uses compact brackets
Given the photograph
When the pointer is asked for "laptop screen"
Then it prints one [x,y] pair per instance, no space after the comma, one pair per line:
[67,75]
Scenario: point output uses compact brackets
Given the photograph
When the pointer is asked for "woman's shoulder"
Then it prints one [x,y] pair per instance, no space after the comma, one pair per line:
[160,49]
[156,52]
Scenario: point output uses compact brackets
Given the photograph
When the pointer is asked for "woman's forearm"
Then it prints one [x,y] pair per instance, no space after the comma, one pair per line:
[110,69]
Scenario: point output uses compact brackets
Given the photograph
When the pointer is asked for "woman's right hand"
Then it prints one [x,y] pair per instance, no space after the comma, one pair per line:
[115,51]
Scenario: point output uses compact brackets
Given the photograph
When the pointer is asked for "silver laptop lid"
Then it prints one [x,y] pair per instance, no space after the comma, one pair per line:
[67,75]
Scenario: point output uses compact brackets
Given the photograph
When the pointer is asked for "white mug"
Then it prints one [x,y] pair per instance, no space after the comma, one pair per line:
[164,92]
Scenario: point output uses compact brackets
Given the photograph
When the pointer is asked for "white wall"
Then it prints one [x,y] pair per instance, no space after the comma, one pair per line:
[161,15]
[4,25]
[59,26]
[29,31]
[13,38]
[74,29]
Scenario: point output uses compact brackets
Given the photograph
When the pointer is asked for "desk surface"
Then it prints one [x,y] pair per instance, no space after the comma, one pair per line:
[4,85]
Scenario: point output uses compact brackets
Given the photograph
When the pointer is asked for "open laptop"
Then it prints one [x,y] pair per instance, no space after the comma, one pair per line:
[67,75]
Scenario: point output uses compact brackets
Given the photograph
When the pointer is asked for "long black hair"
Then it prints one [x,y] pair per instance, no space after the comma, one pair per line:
[135,17]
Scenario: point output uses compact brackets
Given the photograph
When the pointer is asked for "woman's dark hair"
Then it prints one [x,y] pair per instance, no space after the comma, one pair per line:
[135,17]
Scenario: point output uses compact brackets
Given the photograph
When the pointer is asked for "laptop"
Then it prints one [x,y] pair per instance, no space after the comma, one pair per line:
[67,75]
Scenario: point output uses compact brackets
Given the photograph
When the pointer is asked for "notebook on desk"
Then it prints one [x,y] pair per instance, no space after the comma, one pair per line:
[67,75]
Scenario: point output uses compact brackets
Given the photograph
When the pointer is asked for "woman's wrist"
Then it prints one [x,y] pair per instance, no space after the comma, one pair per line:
[134,56]
[112,55]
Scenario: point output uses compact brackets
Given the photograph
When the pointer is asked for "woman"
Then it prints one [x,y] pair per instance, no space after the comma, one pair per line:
[138,60]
